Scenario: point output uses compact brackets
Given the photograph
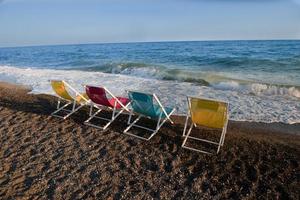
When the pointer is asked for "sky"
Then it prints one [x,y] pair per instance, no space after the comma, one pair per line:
[46,22]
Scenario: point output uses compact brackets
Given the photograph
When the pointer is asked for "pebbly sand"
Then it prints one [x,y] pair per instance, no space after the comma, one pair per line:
[42,157]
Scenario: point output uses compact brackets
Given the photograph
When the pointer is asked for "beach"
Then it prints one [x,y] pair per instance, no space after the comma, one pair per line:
[43,157]
[149,99]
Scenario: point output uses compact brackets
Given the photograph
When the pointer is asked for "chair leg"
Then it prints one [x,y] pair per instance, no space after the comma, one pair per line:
[129,127]
[225,131]
[58,104]
[129,118]
[220,142]
[91,110]
[92,115]
[185,125]
[114,116]
[153,132]
[158,125]
[187,135]
[60,109]
[74,110]
[74,105]
[157,128]
[190,148]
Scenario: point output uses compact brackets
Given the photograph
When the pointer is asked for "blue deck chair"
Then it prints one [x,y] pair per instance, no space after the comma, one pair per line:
[143,105]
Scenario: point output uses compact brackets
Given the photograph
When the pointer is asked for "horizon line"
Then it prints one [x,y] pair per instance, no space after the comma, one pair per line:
[137,42]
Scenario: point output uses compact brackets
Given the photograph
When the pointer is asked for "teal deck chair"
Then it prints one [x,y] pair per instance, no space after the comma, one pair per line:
[148,106]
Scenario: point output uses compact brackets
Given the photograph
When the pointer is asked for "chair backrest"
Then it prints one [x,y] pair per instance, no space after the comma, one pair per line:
[142,103]
[208,113]
[59,88]
[97,95]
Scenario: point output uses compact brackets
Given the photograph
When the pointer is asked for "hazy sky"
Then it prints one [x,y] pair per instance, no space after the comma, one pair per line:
[37,22]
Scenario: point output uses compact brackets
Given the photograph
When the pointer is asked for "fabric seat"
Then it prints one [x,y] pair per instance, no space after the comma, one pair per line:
[158,111]
[208,113]
[82,98]
[123,100]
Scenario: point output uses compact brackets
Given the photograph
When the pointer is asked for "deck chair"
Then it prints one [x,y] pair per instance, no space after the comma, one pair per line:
[100,101]
[60,88]
[207,113]
[144,106]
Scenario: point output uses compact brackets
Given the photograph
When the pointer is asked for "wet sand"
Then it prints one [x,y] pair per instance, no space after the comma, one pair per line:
[42,157]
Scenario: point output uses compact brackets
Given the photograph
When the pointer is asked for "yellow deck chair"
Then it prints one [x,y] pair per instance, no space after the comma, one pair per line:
[77,101]
[208,113]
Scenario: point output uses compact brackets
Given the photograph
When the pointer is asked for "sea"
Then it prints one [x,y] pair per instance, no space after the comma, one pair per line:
[259,79]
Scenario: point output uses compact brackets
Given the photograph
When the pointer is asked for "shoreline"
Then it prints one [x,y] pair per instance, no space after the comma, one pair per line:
[46,157]
[244,106]
[274,127]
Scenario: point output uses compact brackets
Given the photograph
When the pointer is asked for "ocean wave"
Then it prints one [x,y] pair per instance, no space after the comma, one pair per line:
[75,63]
[144,70]
[265,89]
[244,62]
[259,89]
[243,106]
[213,79]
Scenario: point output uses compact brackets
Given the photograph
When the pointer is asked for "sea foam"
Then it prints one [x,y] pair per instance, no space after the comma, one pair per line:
[254,102]
[259,89]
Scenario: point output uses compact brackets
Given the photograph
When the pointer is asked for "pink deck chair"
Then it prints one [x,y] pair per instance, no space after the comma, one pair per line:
[100,101]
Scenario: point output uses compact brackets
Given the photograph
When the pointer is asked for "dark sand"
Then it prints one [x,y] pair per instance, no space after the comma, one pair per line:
[42,157]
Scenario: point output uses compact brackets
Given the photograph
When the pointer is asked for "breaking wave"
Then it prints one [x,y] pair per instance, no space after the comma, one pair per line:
[149,71]
[259,89]
[212,79]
